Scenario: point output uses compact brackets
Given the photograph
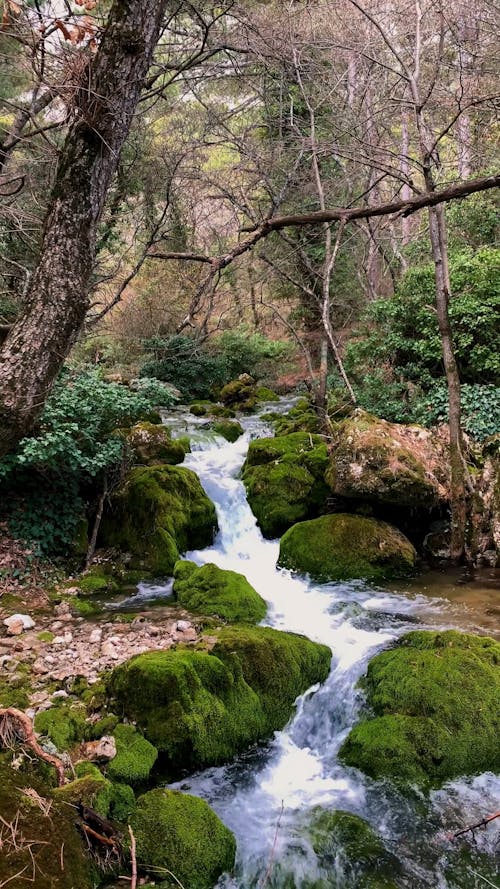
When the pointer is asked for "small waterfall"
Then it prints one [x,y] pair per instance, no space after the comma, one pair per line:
[265,795]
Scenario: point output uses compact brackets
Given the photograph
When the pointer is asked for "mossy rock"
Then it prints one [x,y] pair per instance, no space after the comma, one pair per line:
[200,708]
[350,851]
[63,723]
[179,835]
[53,849]
[388,464]
[284,480]
[264,394]
[97,579]
[435,699]
[14,691]
[135,757]
[152,443]
[343,547]
[211,590]
[231,430]
[199,409]
[159,512]
[91,788]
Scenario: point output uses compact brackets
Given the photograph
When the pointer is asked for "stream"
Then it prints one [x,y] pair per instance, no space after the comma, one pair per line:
[266,795]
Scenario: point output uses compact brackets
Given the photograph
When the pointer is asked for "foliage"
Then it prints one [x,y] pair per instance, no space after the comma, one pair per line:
[480,409]
[401,332]
[50,478]
[199,369]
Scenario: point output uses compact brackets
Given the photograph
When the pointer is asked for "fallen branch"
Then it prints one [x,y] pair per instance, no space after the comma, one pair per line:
[15,725]
[473,827]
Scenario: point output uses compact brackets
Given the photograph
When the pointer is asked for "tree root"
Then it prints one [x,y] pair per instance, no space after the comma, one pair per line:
[15,726]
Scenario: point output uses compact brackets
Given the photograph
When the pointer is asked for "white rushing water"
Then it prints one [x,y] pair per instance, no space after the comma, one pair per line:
[267,794]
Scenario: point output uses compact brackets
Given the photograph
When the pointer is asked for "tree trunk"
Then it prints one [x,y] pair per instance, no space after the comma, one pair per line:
[57,301]
[437,230]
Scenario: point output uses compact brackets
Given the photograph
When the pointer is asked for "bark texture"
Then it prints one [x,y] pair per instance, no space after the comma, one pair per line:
[57,301]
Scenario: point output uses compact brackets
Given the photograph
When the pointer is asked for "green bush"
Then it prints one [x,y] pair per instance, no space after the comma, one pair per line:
[197,369]
[51,478]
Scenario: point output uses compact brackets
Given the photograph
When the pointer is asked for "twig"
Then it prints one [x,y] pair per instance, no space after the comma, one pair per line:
[273,850]
[473,827]
[133,859]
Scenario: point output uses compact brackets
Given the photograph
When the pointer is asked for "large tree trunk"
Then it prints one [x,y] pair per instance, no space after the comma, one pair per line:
[57,301]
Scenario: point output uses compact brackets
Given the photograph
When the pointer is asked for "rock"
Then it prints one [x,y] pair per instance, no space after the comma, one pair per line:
[389,466]
[59,695]
[201,708]
[211,590]
[108,650]
[115,801]
[98,579]
[183,625]
[284,480]
[157,513]
[95,636]
[102,750]
[40,667]
[231,430]
[64,724]
[135,757]
[343,547]
[51,839]
[178,833]
[240,394]
[18,623]
[346,844]
[300,418]
[153,444]
[436,715]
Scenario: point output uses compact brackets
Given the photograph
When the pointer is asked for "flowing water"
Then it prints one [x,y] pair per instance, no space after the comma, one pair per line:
[266,795]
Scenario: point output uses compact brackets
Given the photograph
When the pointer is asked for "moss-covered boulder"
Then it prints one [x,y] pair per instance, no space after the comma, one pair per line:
[211,590]
[284,480]
[383,463]
[350,852]
[202,707]
[343,547]
[159,512]
[435,699]
[178,834]
[300,418]
[135,757]
[264,394]
[152,443]
[231,430]
[109,799]
[45,849]
[97,579]
[63,723]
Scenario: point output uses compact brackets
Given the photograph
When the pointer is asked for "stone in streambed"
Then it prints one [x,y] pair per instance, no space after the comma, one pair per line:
[201,707]
[159,512]
[180,834]
[436,710]
[343,547]
[211,590]
[152,443]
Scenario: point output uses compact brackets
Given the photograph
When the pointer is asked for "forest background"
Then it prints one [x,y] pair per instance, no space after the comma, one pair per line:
[303,191]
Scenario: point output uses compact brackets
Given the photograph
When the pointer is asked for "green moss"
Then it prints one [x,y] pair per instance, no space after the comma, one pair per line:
[229,429]
[64,724]
[152,443]
[45,636]
[109,799]
[14,691]
[219,410]
[284,480]
[350,851]
[180,835]
[199,409]
[158,513]
[339,547]
[83,607]
[201,708]
[96,580]
[435,699]
[212,591]
[53,840]
[301,418]
[262,393]
[104,726]
[135,757]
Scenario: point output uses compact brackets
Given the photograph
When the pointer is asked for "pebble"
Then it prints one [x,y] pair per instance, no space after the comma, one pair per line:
[95,636]
[183,625]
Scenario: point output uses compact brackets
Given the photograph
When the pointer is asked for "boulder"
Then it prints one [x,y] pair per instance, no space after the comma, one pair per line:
[435,701]
[388,465]
[159,512]
[152,443]
[231,430]
[56,855]
[200,707]
[210,590]
[92,788]
[244,395]
[350,852]
[284,480]
[343,547]
[18,623]
[484,530]
[179,834]
[135,757]
[300,418]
